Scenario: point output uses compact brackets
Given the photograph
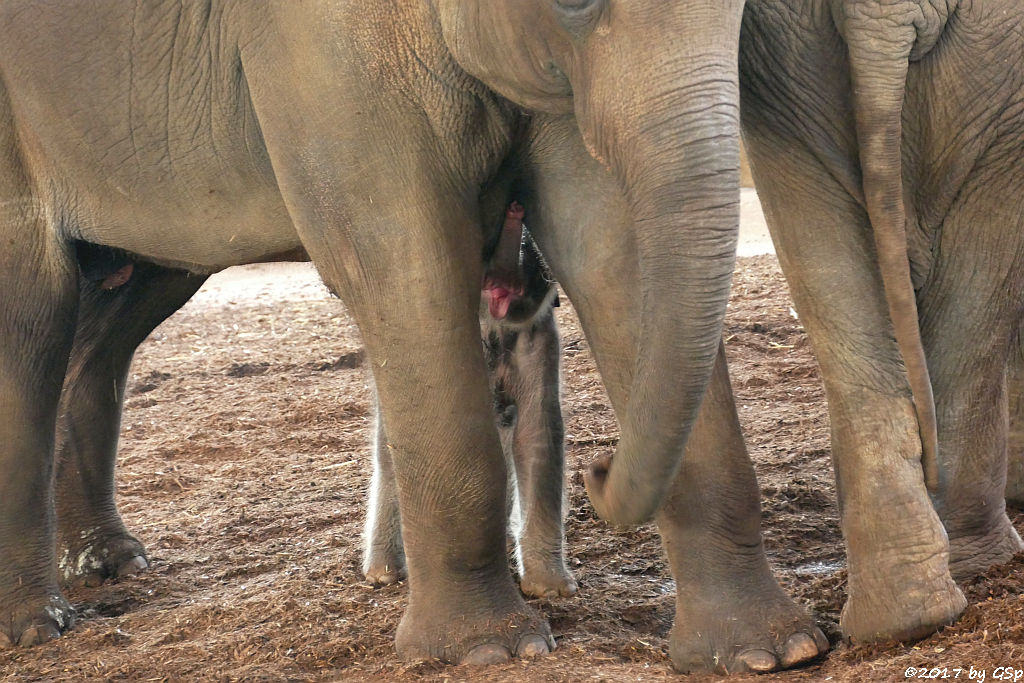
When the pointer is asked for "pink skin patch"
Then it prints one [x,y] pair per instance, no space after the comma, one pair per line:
[499,299]
[118,277]
[501,283]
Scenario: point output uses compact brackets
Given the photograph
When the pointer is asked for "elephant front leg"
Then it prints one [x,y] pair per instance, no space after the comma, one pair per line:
[37,318]
[416,306]
[731,614]
[92,541]
[463,604]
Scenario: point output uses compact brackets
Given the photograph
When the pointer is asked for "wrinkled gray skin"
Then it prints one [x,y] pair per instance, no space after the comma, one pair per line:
[731,614]
[823,85]
[375,137]
[1015,436]
[92,541]
[523,361]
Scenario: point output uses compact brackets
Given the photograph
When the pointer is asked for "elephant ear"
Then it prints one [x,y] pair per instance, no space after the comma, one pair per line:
[883,37]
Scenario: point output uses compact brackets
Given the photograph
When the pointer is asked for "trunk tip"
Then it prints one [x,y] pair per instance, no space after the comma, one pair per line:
[617,502]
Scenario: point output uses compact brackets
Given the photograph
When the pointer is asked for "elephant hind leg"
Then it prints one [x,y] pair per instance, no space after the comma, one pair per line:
[970,312]
[93,543]
[899,584]
[37,319]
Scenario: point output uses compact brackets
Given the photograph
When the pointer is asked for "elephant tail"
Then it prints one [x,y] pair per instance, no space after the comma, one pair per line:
[883,37]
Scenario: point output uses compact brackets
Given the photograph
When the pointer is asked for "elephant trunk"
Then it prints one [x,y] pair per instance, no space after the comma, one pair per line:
[881,47]
[675,148]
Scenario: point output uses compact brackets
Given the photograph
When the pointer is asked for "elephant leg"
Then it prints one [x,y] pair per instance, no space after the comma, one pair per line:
[969,316]
[899,583]
[383,555]
[731,614]
[92,541]
[525,371]
[37,322]
[392,223]
[416,303]
[1015,436]
[529,377]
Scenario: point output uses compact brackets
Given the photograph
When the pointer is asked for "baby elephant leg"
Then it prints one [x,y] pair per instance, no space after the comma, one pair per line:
[524,365]
[383,555]
[523,354]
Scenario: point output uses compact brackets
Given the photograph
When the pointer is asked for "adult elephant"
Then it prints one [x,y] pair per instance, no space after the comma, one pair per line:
[372,136]
[902,116]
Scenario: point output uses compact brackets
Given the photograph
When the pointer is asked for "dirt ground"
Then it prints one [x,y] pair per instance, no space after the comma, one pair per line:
[243,466]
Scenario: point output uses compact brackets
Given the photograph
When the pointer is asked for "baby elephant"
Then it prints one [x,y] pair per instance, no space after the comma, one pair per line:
[521,346]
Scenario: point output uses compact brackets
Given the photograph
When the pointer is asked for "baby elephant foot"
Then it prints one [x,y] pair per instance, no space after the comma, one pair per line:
[547,577]
[98,556]
[384,568]
[505,629]
[34,621]
[753,632]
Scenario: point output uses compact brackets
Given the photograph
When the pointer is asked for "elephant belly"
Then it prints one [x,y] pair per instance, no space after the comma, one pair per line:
[176,226]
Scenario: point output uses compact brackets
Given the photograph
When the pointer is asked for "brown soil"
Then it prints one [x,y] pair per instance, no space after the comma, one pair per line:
[244,461]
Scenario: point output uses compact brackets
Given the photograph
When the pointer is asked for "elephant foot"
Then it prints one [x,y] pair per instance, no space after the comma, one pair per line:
[971,554]
[741,623]
[34,621]
[492,634]
[905,595]
[100,555]
[899,585]
[546,577]
[383,568]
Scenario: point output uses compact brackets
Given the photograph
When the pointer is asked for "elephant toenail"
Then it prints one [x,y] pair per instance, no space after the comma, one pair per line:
[34,635]
[489,653]
[133,566]
[5,641]
[533,646]
[821,641]
[88,581]
[759,660]
[799,648]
